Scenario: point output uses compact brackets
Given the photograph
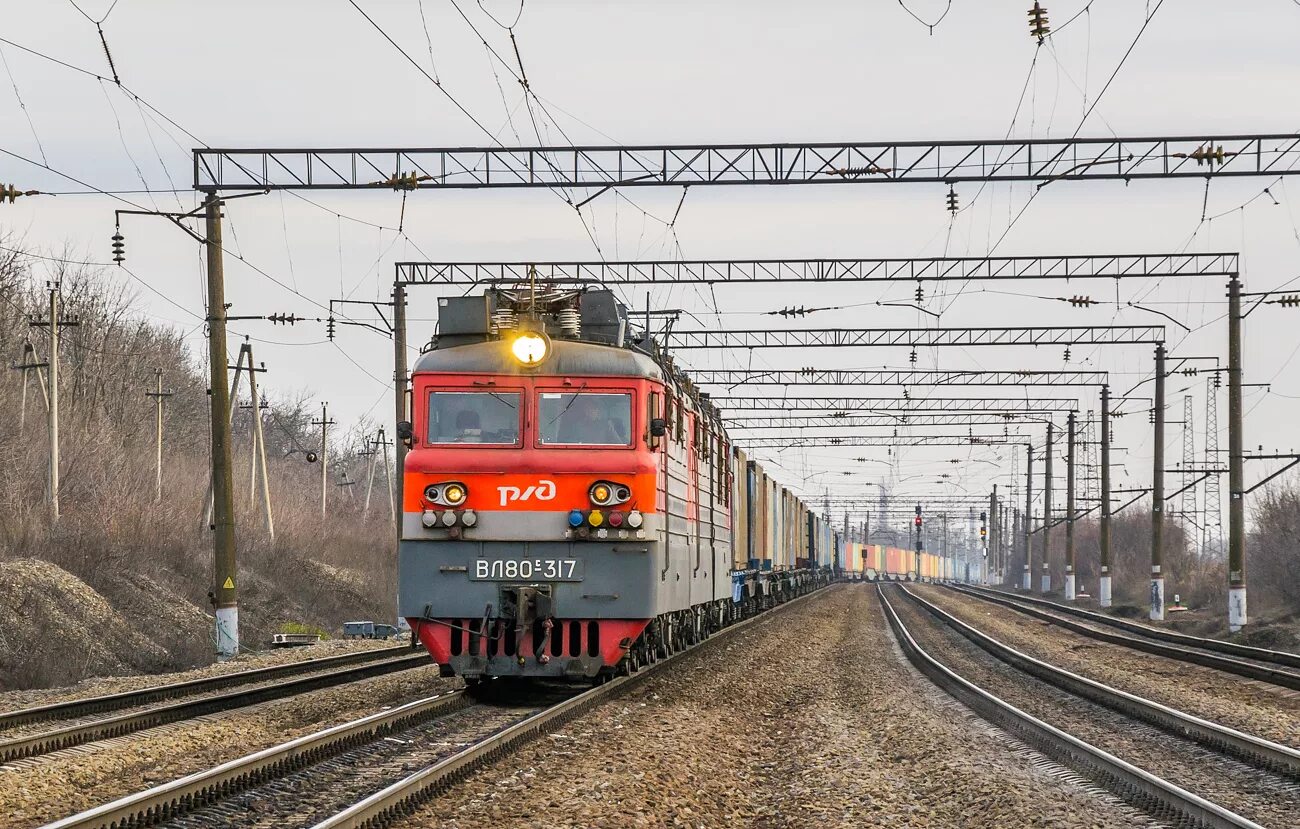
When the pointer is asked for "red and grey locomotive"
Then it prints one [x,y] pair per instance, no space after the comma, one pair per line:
[567,494]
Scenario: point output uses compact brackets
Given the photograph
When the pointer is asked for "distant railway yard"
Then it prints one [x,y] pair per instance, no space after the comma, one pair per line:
[830,709]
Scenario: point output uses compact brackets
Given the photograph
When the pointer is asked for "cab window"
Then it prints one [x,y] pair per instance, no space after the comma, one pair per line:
[474,417]
[584,419]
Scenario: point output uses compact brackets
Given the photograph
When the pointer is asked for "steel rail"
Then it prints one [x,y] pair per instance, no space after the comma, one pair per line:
[1148,792]
[142,696]
[1290,660]
[185,794]
[1250,670]
[1256,751]
[117,726]
[402,798]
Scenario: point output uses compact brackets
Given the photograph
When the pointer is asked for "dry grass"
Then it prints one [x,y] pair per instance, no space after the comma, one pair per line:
[150,564]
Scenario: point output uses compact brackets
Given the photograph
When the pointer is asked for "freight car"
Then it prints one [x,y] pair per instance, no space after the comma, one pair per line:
[873,562]
[573,506]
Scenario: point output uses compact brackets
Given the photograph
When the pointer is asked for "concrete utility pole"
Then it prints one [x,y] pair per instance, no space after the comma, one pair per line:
[1046,583]
[225,596]
[1157,613]
[399,399]
[1026,523]
[259,443]
[1103,586]
[1069,507]
[55,324]
[159,397]
[1236,480]
[324,423]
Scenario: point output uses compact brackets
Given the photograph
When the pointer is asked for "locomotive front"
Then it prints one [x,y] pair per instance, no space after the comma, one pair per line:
[531,521]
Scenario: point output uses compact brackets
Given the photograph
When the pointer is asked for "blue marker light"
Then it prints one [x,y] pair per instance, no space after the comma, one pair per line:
[575,518]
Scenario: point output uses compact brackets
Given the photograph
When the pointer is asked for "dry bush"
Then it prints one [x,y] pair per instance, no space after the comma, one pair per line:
[152,562]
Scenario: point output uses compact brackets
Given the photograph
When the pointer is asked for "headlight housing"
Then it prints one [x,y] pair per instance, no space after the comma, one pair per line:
[448,494]
[530,348]
[608,493]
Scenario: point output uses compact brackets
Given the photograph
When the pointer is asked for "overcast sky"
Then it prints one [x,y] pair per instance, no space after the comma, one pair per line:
[318,74]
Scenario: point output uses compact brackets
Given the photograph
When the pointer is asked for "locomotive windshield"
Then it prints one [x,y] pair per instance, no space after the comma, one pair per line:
[474,417]
[584,419]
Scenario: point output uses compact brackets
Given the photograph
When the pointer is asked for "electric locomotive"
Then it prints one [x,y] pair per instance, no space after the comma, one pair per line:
[567,506]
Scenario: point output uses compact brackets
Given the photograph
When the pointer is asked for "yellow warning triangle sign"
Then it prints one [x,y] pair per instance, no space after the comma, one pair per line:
[229,585]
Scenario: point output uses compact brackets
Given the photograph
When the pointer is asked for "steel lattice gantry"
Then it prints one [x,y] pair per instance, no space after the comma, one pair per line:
[804,420]
[898,421]
[1041,160]
[897,404]
[913,337]
[915,377]
[821,270]
[880,440]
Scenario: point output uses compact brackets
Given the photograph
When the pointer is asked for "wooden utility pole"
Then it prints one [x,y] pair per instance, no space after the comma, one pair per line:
[29,364]
[159,396]
[54,323]
[225,596]
[324,423]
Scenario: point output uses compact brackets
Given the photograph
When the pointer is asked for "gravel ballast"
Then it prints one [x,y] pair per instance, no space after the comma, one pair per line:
[808,718]
[1258,708]
[1260,796]
[100,686]
[61,784]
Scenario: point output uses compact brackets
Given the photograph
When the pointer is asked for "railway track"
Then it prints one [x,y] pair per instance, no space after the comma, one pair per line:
[142,696]
[1178,768]
[264,686]
[1242,660]
[314,780]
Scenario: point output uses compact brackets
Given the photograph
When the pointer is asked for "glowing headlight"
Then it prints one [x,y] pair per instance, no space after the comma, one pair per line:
[454,494]
[530,348]
[605,493]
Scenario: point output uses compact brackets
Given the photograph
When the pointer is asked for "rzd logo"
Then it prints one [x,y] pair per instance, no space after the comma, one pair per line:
[542,491]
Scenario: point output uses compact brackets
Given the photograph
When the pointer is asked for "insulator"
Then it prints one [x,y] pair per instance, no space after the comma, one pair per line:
[1218,380]
[1038,25]
[920,293]
[329,327]
[119,248]
[504,319]
[952,199]
[912,357]
[570,322]
[1289,301]
[1067,354]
